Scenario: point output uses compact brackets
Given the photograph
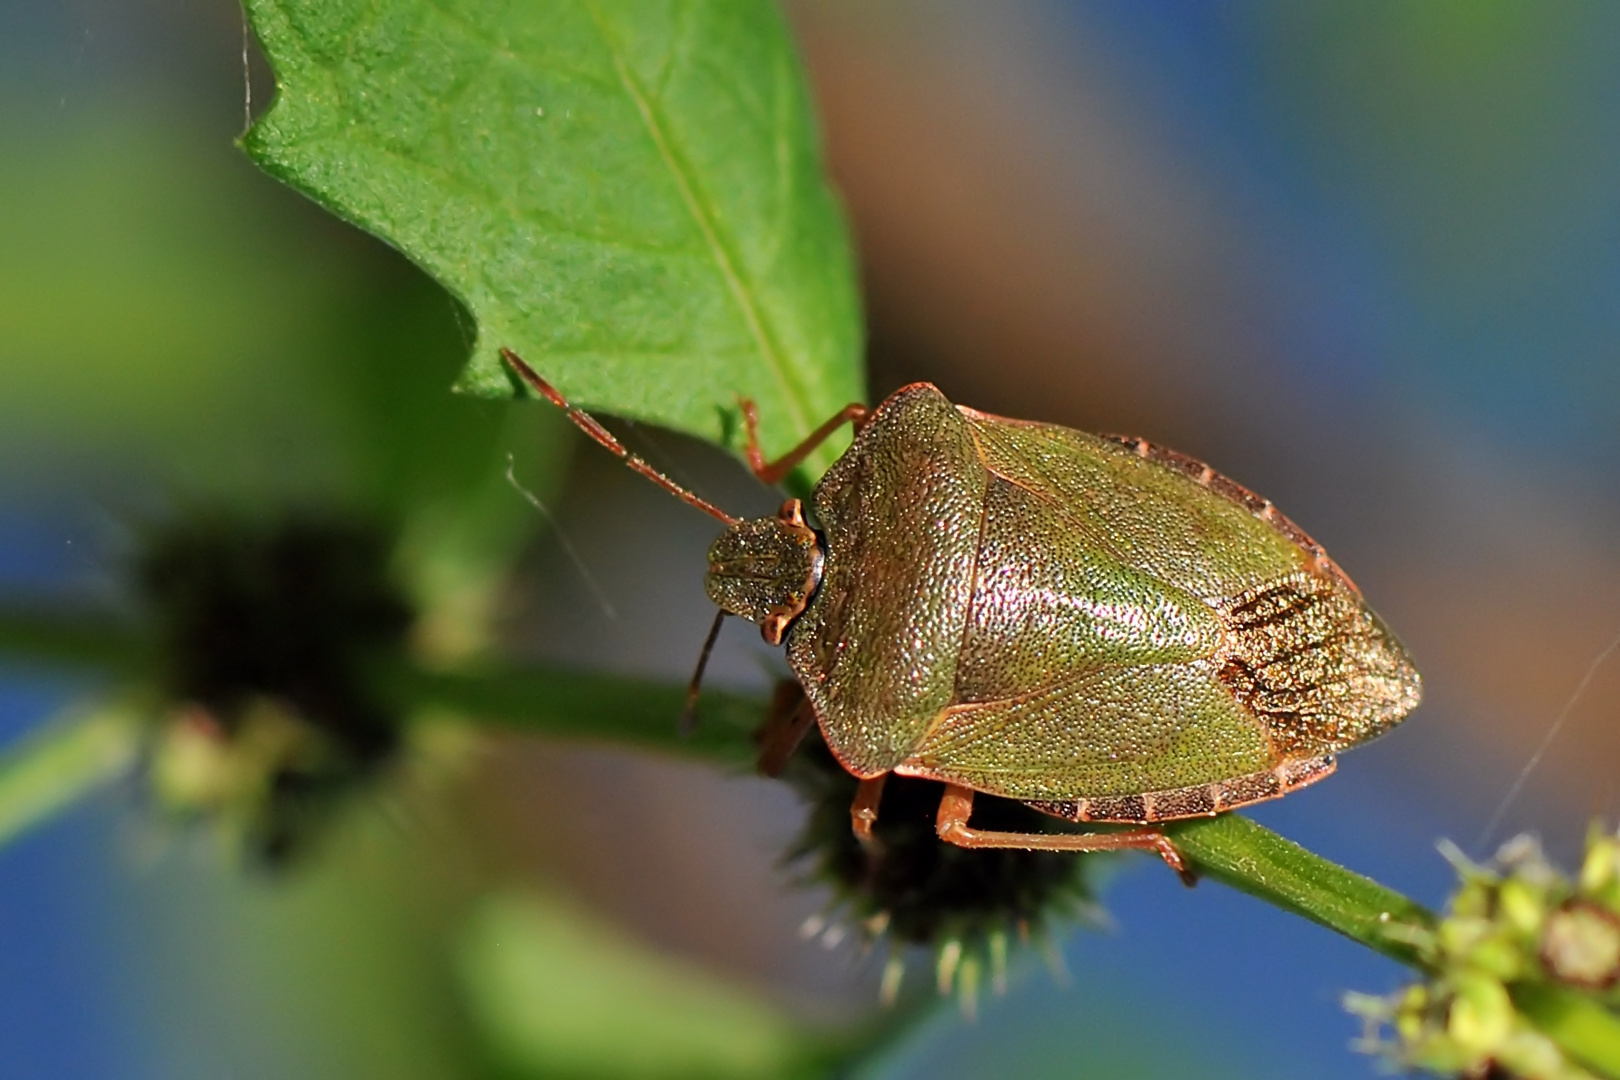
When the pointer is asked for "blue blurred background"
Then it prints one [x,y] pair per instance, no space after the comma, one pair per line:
[1363,258]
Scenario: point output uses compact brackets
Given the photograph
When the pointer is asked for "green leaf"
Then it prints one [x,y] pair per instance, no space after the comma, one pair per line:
[559,993]
[628,194]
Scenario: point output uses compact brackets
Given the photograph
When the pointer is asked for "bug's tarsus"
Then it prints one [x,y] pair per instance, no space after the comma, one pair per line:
[688,719]
[773,472]
[956,806]
[1188,876]
[603,437]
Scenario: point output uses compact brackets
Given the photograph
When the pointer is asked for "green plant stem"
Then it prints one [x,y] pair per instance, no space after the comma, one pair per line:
[571,704]
[615,709]
[1252,859]
[1229,849]
[1585,1029]
[48,770]
[55,640]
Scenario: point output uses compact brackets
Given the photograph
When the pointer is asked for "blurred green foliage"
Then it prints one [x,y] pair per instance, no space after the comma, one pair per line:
[208,344]
[561,994]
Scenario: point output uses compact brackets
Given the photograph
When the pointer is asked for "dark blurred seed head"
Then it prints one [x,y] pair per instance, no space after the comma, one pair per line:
[263,627]
[920,889]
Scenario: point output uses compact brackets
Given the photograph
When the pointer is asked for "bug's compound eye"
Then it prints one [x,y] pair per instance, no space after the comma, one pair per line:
[765,570]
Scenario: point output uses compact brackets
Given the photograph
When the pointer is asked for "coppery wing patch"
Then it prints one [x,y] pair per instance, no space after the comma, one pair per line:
[1315,666]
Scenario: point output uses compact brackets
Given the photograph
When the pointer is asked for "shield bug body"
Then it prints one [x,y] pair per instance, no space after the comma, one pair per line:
[1101,628]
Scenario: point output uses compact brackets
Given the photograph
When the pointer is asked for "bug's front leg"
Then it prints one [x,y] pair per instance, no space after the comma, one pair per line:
[789,721]
[957,806]
[772,472]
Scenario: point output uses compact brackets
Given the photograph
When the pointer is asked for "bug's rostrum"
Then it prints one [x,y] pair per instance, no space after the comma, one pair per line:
[765,569]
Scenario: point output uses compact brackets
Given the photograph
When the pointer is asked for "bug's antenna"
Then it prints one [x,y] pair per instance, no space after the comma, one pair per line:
[587,423]
[689,713]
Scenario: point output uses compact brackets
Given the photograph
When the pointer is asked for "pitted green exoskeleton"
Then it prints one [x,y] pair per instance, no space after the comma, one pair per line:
[1101,628]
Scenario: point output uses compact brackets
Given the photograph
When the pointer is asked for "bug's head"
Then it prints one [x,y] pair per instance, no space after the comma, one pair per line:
[765,569]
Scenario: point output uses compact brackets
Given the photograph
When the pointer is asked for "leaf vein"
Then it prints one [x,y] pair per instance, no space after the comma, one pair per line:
[703,216]
[527,214]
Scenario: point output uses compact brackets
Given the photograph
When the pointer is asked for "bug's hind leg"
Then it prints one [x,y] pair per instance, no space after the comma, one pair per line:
[772,472]
[957,806]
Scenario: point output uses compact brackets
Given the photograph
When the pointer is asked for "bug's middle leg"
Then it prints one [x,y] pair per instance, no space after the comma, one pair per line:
[863,812]
[957,806]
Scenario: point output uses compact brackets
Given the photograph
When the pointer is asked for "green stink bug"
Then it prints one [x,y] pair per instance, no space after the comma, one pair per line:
[1101,628]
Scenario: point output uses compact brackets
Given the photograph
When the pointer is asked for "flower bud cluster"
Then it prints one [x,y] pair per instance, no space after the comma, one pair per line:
[1514,927]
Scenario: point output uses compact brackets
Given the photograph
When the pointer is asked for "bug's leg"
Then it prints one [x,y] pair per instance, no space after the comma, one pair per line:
[957,806]
[772,472]
[863,812]
[789,721]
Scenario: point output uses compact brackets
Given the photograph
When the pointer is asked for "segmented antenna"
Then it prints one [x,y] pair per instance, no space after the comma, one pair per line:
[688,719]
[603,437]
